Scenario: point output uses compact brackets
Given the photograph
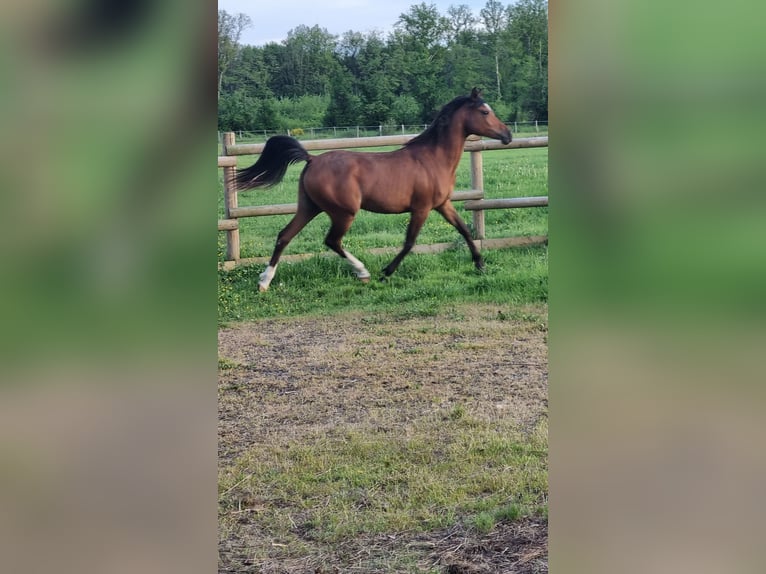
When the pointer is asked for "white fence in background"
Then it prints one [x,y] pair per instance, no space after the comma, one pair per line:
[536,128]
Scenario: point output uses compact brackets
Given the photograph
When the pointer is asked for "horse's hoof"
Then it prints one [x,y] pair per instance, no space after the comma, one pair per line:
[364,279]
[263,288]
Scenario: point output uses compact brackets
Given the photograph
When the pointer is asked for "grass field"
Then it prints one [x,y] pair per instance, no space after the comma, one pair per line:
[422,282]
[396,427]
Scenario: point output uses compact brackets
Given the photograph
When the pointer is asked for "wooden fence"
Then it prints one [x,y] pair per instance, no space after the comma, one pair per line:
[474,197]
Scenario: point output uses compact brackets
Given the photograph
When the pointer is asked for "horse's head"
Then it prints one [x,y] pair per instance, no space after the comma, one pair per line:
[480,120]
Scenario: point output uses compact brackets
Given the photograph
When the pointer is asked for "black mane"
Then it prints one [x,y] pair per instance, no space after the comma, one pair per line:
[438,129]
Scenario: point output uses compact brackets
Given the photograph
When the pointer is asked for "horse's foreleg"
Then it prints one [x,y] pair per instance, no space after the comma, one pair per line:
[306,212]
[340,225]
[417,219]
[450,214]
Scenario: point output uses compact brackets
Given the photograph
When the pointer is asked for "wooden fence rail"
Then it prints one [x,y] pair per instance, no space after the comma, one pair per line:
[474,198]
[506,203]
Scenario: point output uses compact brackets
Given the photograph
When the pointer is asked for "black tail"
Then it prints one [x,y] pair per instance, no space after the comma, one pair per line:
[277,154]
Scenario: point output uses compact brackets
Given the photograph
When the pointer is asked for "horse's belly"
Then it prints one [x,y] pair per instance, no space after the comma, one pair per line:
[384,204]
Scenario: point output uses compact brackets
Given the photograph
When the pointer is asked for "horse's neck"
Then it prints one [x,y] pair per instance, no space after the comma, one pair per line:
[452,149]
[449,150]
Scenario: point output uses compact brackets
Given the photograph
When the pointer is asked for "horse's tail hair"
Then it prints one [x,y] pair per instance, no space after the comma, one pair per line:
[278,153]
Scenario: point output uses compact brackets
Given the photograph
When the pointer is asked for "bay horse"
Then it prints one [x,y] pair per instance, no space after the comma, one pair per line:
[416,178]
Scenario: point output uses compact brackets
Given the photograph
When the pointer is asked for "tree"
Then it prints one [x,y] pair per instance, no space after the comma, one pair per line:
[348,50]
[404,110]
[345,106]
[230,30]
[461,22]
[308,62]
[417,54]
[313,77]
[423,25]
[528,38]
[462,69]
[237,111]
[248,72]
[494,17]
[375,81]
[365,59]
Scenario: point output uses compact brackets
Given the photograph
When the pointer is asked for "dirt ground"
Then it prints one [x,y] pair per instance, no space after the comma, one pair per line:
[286,378]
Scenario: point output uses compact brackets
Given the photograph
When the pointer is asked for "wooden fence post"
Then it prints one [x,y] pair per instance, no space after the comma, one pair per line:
[230,199]
[477,182]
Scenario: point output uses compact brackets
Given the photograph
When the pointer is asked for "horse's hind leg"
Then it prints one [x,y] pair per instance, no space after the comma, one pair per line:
[417,219]
[450,214]
[339,227]
[307,210]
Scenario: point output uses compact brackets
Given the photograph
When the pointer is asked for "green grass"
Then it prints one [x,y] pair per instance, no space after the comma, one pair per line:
[333,487]
[423,285]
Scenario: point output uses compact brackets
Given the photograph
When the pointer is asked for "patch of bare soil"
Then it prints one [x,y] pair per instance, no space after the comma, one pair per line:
[518,548]
[282,379]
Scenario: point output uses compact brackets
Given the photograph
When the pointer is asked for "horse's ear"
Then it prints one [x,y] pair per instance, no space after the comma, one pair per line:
[475,94]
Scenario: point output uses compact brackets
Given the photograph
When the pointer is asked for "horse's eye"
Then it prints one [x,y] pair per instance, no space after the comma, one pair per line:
[484,112]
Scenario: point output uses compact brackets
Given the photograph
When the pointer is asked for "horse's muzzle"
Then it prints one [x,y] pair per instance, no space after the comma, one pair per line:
[506,137]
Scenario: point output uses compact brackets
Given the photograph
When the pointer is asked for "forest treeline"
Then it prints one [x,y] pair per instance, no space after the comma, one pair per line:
[314,78]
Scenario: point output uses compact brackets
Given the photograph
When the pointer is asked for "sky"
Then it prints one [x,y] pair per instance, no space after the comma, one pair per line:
[273,18]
